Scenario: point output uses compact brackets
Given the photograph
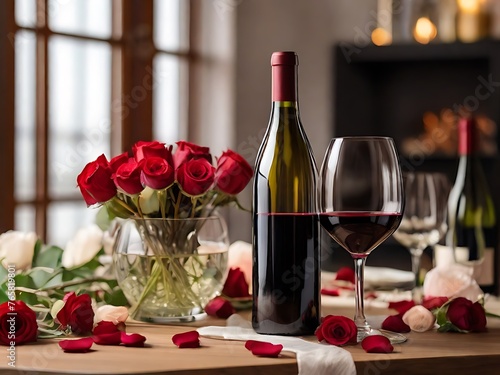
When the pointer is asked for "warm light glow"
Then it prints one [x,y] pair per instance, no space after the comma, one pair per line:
[469,6]
[425,30]
[381,37]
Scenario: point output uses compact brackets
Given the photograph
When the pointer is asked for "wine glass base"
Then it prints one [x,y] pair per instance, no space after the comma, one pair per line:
[394,337]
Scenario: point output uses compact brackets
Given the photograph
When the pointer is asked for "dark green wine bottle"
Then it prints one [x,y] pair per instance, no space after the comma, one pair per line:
[286,297]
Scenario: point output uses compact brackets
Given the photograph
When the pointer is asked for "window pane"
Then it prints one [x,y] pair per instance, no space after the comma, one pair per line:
[24,162]
[26,13]
[65,218]
[170,24]
[166,95]
[82,17]
[79,109]
[24,219]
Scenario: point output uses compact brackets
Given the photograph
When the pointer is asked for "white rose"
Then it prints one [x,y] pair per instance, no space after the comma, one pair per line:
[17,248]
[82,247]
[148,200]
[452,280]
[419,319]
[115,314]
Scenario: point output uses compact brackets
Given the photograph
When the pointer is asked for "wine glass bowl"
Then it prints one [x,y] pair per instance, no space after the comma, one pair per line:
[361,201]
[424,220]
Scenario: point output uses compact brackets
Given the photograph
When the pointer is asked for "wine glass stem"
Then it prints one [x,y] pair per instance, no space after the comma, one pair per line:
[416,255]
[359,317]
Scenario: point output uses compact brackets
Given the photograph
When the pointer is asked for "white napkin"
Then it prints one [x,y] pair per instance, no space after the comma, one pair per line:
[318,359]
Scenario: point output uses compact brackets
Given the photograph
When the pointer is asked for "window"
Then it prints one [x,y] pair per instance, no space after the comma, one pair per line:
[87,77]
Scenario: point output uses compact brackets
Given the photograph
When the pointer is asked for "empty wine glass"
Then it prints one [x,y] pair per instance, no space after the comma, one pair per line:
[424,218]
[361,204]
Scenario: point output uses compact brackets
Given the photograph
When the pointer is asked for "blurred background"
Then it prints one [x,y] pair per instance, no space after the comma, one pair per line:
[84,77]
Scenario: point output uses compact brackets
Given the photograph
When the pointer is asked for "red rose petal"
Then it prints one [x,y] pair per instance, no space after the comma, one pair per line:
[330,292]
[345,274]
[402,306]
[76,346]
[133,339]
[377,344]
[104,327]
[108,338]
[431,303]
[263,349]
[219,307]
[395,323]
[235,285]
[190,339]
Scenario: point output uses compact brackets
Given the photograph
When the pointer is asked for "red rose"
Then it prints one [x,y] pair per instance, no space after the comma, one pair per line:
[157,173]
[118,160]
[20,327]
[431,303]
[466,315]
[144,150]
[195,176]
[235,285]
[337,330]
[95,182]
[128,177]
[187,151]
[395,323]
[233,173]
[76,313]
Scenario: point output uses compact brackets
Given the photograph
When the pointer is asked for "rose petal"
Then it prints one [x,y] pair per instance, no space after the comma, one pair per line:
[219,307]
[377,344]
[330,292]
[431,303]
[263,349]
[188,339]
[108,338]
[346,274]
[395,323]
[402,306]
[115,314]
[76,346]
[105,326]
[133,339]
[478,318]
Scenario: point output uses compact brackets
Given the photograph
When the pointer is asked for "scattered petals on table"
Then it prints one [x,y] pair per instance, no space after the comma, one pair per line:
[104,327]
[108,338]
[219,307]
[190,339]
[345,274]
[76,346]
[402,306]
[432,303]
[132,339]
[263,349]
[377,344]
[330,292]
[395,323]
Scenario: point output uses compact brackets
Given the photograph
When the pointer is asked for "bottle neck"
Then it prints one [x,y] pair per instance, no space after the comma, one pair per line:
[284,83]
[467,144]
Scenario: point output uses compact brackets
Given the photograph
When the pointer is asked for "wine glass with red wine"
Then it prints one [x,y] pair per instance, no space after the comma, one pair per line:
[361,204]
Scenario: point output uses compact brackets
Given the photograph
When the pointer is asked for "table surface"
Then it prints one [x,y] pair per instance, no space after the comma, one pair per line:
[423,353]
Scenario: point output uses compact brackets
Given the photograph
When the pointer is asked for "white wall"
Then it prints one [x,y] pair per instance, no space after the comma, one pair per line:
[311,28]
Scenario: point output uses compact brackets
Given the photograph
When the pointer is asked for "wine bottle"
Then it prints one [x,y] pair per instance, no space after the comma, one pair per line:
[286,280]
[472,234]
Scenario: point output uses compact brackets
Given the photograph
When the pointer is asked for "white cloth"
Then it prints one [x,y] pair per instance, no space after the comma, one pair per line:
[312,358]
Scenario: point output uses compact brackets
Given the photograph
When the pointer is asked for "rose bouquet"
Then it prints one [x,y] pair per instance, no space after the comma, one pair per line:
[170,197]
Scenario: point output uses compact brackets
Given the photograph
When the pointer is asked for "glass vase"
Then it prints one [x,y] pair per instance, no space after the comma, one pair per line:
[168,268]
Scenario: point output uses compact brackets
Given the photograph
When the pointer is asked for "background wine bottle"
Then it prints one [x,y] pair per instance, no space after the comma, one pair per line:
[471,212]
[286,297]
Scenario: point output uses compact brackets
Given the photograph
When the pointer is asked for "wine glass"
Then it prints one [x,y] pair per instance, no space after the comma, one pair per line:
[361,204]
[424,219]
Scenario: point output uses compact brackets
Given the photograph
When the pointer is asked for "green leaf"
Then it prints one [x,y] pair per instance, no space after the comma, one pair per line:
[117,298]
[3,296]
[24,280]
[48,257]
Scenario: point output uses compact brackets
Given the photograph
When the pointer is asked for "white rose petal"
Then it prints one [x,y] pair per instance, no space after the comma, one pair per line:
[115,314]
[148,200]
[82,247]
[419,319]
[17,248]
[452,280]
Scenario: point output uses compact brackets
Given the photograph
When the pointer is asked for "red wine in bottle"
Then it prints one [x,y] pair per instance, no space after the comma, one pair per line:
[360,232]
[471,212]
[286,299]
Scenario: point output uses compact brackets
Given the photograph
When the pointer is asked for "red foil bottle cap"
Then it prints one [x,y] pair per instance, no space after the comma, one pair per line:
[466,136]
[284,66]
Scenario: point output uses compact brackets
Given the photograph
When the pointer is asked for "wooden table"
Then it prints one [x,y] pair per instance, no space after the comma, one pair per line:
[423,353]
